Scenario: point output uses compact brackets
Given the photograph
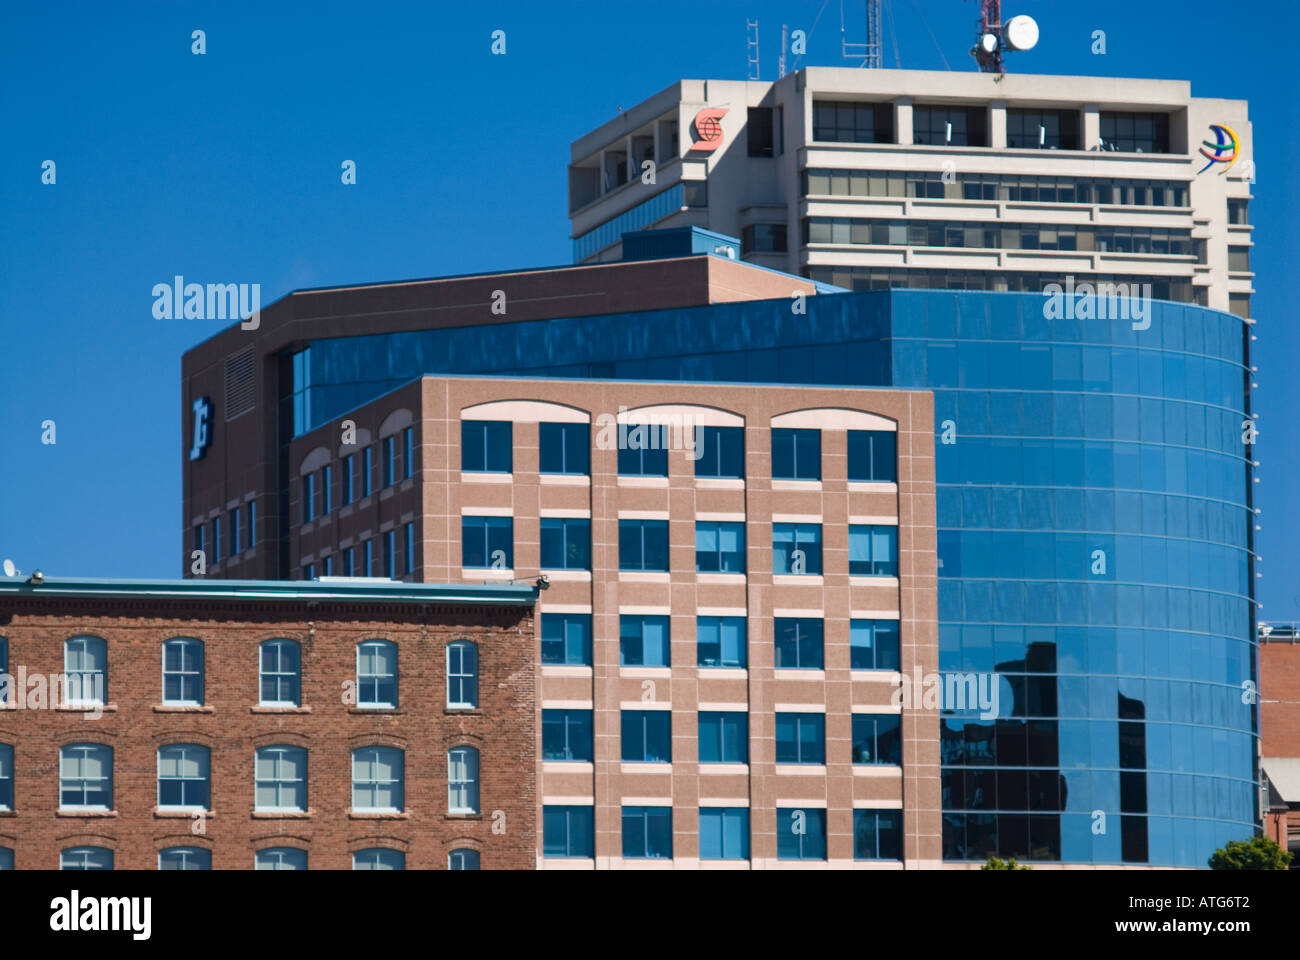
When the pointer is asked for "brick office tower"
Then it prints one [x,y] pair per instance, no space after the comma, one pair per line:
[1279,723]
[237,724]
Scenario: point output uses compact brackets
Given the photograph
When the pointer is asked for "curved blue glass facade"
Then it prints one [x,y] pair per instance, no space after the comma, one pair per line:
[1094,518]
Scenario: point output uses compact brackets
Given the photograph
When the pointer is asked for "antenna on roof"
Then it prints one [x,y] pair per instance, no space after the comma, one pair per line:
[9,568]
[993,38]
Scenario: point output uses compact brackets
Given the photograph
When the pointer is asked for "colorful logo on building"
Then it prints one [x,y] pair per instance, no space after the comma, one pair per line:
[1225,150]
[708,129]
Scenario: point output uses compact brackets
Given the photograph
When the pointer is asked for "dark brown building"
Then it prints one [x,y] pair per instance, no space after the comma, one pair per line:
[233,724]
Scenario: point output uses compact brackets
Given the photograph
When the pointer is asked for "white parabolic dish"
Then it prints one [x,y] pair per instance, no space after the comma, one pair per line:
[1021,33]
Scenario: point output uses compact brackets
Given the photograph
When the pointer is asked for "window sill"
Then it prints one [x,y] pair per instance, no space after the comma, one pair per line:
[462,712]
[720,483]
[630,480]
[797,580]
[261,709]
[873,486]
[161,813]
[365,815]
[474,476]
[858,580]
[87,708]
[461,815]
[101,814]
[564,479]
[283,815]
[735,578]
[377,711]
[644,576]
[180,708]
[789,484]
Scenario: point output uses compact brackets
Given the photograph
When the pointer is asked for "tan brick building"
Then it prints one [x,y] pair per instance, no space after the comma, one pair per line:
[153,724]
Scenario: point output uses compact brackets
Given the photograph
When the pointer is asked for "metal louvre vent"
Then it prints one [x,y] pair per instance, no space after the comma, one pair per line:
[241,387]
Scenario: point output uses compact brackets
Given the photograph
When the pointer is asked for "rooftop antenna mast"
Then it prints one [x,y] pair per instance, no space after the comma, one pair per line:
[751,36]
[993,38]
[871,50]
[785,43]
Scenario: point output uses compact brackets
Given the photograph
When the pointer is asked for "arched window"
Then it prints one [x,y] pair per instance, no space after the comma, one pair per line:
[378,775]
[280,858]
[462,780]
[280,674]
[86,777]
[377,674]
[378,858]
[462,859]
[86,858]
[183,672]
[183,777]
[462,675]
[85,671]
[184,858]
[281,779]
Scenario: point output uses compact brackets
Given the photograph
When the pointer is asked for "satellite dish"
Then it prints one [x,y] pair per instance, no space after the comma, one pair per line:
[989,43]
[9,567]
[1021,33]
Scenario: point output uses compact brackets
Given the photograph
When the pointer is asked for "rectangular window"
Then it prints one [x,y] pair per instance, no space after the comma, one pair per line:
[309,498]
[6,779]
[349,476]
[568,832]
[309,572]
[327,565]
[849,122]
[368,550]
[349,562]
[566,735]
[873,644]
[877,835]
[566,639]
[234,531]
[410,548]
[408,452]
[950,126]
[199,532]
[763,238]
[797,548]
[877,738]
[643,641]
[872,456]
[758,124]
[183,672]
[367,471]
[1043,129]
[377,674]
[564,448]
[799,643]
[487,542]
[800,833]
[647,736]
[643,545]
[724,737]
[183,777]
[1239,259]
[216,540]
[648,833]
[390,554]
[86,777]
[723,453]
[390,460]
[566,543]
[645,454]
[1239,305]
[1126,132]
[796,454]
[720,641]
[5,693]
[280,678]
[724,833]
[719,546]
[327,489]
[1238,212]
[280,779]
[800,738]
[873,551]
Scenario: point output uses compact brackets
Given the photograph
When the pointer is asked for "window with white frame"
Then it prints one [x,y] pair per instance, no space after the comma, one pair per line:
[85,777]
[378,858]
[462,675]
[280,858]
[183,777]
[184,858]
[85,671]
[183,672]
[378,780]
[280,775]
[377,674]
[6,777]
[86,858]
[462,780]
[280,674]
[462,859]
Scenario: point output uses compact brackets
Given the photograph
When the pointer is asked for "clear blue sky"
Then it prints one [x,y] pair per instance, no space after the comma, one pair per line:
[225,167]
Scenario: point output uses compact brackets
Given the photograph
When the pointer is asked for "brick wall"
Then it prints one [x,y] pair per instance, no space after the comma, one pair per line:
[232,726]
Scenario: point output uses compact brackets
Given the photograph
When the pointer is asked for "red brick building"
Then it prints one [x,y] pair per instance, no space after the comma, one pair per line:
[334,724]
[1279,722]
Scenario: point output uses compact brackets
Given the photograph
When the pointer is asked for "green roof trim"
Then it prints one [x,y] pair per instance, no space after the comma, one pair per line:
[372,591]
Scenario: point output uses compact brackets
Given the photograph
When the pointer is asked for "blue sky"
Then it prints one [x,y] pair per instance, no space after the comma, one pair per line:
[225,167]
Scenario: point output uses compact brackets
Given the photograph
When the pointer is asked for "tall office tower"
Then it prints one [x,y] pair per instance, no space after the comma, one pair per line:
[871,179]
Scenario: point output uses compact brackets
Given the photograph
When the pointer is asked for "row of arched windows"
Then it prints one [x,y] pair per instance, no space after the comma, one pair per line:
[85,673]
[271,858]
[280,779]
